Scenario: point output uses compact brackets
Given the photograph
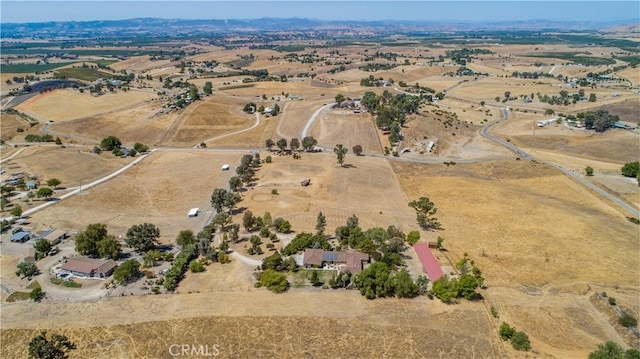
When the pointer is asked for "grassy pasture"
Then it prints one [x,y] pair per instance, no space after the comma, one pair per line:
[31,68]
[83,73]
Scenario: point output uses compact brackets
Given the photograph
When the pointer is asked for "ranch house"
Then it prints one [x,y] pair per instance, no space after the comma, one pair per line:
[350,261]
[88,268]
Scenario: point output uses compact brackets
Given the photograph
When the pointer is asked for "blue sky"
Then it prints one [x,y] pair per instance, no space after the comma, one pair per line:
[38,11]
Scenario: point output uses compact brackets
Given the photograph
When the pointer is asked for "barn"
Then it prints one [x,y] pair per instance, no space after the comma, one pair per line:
[429,262]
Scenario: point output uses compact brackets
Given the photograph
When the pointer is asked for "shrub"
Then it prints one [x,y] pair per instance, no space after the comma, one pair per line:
[612,301]
[196,266]
[520,341]
[506,331]
[274,281]
[627,320]
[268,159]
[274,191]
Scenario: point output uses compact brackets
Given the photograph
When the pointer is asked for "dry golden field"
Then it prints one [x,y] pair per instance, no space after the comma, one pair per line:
[160,190]
[310,324]
[544,243]
[47,107]
[337,192]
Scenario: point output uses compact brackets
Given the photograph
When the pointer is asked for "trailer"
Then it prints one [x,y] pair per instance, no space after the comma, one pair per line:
[193,212]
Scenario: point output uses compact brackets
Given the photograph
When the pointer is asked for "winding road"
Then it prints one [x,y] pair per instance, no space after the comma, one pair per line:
[485,132]
[576,176]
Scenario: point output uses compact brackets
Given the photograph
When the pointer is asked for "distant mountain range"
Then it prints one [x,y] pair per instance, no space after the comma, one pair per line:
[182,27]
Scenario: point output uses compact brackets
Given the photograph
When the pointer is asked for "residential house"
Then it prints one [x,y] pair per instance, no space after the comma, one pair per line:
[350,261]
[89,268]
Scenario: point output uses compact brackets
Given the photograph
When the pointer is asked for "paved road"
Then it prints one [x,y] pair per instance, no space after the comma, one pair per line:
[576,176]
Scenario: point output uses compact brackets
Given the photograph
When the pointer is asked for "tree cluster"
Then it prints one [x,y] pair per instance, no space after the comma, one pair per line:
[599,120]
[449,289]
[613,350]
[519,340]
[378,280]
[274,281]
[95,241]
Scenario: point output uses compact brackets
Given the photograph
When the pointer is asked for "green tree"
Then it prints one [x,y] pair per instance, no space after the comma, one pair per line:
[185,238]
[339,98]
[321,223]
[16,211]
[274,281]
[592,97]
[143,236]
[53,182]
[425,209]
[599,120]
[612,350]
[314,278]
[340,152]
[45,192]
[357,150]
[140,147]
[127,271]
[520,341]
[266,219]
[196,266]
[109,247]
[42,246]
[404,286]
[249,107]
[631,169]
[87,240]
[7,190]
[588,171]
[218,199]
[375,281]
[294,144]
[110,143]
[506,331]
[439,242]
[269,144]
[152,257]
[627,320]
[58,141]
[41,347]
[282,144]
[235,183]
[308,143]
[36,294]
[370,100]
[27,270]
[445,289]
[207,88]
[413,237]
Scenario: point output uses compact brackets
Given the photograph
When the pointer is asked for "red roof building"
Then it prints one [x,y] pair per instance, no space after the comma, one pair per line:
[429,262]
